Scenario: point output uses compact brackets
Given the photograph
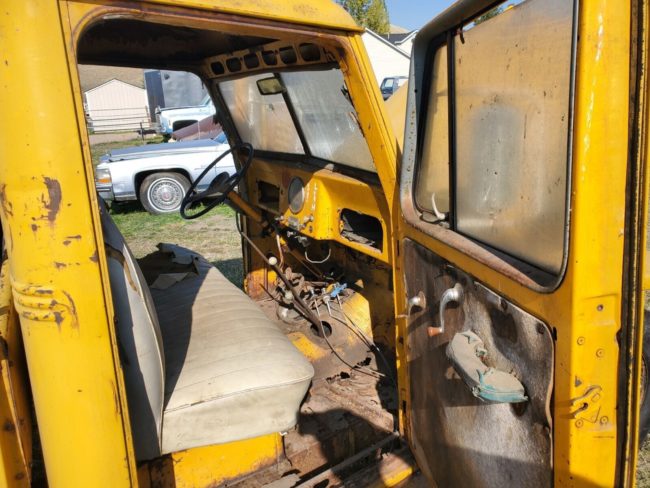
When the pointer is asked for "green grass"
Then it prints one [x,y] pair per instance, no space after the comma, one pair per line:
[214,235]
[98,150]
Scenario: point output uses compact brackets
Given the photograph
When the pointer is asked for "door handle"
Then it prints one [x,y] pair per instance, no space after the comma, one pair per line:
[450,295]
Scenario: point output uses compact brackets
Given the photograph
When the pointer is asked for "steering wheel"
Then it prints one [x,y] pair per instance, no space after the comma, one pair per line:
[219,187]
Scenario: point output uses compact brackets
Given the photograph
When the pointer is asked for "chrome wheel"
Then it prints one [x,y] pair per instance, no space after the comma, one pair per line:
[163,192]
[166,195]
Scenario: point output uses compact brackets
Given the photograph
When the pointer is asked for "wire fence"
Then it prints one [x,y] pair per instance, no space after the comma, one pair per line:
[120,120]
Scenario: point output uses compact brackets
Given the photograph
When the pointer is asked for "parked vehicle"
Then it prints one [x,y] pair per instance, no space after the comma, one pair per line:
[175,118]
[159,174]
[468,305]
[203,129]
[390,84]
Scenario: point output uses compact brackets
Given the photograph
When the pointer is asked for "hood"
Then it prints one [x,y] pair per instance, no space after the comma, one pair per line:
[152,150]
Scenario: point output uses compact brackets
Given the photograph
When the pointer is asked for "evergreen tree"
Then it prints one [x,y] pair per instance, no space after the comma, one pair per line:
[377,17]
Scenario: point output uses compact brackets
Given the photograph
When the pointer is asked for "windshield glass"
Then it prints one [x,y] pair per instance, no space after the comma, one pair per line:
[261,120]
[322,108]
[327,118]
[221,138]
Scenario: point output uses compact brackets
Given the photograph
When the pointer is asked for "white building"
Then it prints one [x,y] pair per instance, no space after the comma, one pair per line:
[115,106]
[386,58]
[403,41]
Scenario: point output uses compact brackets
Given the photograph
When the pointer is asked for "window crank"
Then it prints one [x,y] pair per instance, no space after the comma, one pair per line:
[450,295]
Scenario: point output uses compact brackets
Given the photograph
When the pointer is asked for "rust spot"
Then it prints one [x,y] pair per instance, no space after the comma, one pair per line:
[6,206]
[8,426]
[75,237]
[66,242]
[54,195]
[58,318]
[20,476]
[73,310]
[95,257]
[59,265]
[34,227]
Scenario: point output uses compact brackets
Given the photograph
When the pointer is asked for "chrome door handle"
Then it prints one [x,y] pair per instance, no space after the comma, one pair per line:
[450,295]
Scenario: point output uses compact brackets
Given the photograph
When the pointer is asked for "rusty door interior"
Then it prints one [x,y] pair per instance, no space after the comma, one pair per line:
[485,203]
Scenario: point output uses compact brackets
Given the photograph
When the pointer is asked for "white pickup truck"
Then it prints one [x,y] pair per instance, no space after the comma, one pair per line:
[175,118]
[159,174]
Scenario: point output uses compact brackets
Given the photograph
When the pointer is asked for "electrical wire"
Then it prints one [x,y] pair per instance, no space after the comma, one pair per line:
[306,311]
[316,261]
[277,240]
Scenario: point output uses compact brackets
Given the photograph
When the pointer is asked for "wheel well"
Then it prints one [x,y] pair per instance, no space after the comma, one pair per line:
[139,178]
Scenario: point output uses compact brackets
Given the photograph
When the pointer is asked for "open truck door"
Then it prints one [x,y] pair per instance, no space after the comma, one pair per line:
[520,243]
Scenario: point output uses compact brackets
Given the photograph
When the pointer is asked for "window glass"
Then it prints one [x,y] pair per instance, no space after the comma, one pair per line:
[327,118]
[261,120]
[388,83]
[512,82]
[433,178]
[221,138]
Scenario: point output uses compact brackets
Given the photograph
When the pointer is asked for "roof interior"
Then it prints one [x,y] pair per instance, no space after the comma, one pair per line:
[135,43]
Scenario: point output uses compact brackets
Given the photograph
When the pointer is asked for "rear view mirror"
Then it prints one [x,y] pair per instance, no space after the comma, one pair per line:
[270,86]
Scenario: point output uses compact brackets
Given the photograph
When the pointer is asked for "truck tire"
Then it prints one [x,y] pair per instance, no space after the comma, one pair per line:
[162,193]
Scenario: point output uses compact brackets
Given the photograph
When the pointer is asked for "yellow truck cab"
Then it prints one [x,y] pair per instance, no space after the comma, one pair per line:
[451,298]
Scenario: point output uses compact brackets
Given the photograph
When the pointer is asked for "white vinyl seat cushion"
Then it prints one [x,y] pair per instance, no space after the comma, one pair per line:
[229,373]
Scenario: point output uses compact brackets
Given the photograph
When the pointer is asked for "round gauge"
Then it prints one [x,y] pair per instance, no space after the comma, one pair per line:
[296,195]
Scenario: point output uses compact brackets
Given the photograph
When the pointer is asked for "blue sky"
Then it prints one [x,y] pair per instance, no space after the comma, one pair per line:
[413,14]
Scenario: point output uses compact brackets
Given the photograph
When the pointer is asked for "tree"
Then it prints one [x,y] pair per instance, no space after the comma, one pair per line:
[377,17]
[371,14]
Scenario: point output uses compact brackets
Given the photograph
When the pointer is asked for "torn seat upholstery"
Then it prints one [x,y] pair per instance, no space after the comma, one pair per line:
[202,363]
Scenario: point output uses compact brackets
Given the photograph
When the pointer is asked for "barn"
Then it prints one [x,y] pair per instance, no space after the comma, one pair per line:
[115,100]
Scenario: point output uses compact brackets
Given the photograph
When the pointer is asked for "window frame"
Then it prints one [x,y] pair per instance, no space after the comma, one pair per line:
[440,32]
[308,157]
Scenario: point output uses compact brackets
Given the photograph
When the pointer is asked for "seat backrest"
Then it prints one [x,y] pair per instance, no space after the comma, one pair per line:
[139,341]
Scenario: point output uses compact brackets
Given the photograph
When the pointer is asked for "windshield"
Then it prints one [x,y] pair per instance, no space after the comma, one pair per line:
[321,107]
[221,138]
[261,120]
[206,101]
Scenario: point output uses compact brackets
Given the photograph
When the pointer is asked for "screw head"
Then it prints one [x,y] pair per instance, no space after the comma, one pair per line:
[604,420]
[581,340]
[579,423]
[600,353]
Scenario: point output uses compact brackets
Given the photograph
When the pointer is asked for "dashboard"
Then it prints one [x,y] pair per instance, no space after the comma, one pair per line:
[322,204]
